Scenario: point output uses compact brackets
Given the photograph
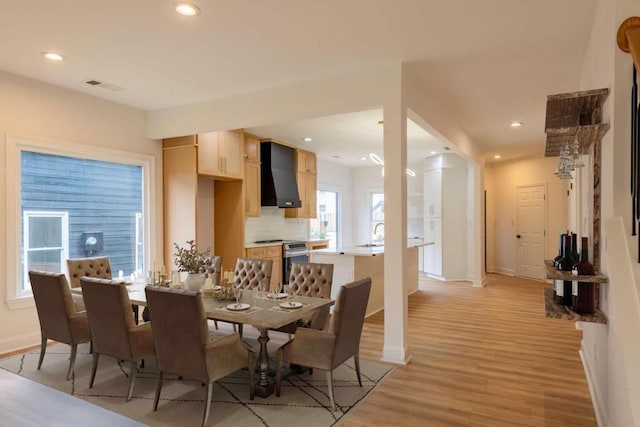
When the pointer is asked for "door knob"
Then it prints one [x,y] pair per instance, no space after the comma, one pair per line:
[518,236]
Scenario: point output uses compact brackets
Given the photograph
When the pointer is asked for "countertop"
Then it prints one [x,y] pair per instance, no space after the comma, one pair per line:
[367,250]
[261,245]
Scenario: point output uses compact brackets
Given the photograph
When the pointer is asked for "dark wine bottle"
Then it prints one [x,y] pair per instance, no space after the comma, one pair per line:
[583,298]
[557,284]
[564,292]
[556,260]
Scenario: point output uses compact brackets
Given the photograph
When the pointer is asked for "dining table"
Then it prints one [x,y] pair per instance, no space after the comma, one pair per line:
[262,310]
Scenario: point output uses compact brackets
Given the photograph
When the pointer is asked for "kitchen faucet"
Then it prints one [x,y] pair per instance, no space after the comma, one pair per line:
[375,229]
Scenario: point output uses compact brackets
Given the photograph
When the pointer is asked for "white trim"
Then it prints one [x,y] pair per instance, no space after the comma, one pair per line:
[21,302]
[599,407]
[15,144]
[397,355]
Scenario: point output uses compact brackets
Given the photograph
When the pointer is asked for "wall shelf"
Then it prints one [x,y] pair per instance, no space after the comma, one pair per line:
[555,274]
[553,310]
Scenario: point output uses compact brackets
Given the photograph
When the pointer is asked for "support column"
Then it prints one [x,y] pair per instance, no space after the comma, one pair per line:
[395,349]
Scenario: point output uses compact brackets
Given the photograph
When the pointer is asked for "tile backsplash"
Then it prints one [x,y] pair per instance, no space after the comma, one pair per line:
[273,225]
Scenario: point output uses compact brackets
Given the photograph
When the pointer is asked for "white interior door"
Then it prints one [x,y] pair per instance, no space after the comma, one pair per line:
[530,237]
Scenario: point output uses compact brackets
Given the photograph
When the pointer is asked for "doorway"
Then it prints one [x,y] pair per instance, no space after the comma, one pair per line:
[530,231]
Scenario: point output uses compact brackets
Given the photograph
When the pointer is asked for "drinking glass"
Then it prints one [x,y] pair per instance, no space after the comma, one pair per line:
[237,292]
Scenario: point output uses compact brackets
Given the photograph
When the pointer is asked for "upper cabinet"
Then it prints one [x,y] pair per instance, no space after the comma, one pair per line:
[220,154]
[307,186]
[305,161]
[251,176]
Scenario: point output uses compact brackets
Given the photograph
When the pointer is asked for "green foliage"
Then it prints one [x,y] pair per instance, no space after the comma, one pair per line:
[190,259]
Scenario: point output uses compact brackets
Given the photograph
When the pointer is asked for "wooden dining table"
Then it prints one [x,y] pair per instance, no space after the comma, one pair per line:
[263,313]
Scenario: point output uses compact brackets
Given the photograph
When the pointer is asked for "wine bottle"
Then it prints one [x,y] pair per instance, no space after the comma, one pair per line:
[583,299]
[564,292]
[557,284]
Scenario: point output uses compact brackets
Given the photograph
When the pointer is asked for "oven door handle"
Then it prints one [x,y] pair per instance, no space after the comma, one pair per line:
[295,254]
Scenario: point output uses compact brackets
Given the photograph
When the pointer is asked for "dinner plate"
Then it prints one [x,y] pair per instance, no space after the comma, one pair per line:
[276,296]
[238,307]
[291,304]
[217,287]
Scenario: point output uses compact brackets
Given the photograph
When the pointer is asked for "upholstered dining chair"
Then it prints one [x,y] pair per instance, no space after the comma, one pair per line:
[113,330]
[254,274]
[310,280]
[91,267]
[59,319]
[328,349]
[213,270]
[183,345]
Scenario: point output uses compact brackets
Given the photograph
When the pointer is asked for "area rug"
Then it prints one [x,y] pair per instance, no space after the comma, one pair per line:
[304,399]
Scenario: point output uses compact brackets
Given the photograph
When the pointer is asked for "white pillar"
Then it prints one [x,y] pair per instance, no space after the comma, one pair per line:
[395,349]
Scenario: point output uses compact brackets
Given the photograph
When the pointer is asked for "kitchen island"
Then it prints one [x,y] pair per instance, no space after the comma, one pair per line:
[358,262]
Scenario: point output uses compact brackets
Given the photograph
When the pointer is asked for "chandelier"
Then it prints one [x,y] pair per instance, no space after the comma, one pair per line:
[570,160]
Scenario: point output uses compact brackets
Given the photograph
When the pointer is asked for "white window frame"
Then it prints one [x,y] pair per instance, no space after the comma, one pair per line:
[25,290]
[138,242]
[14,146]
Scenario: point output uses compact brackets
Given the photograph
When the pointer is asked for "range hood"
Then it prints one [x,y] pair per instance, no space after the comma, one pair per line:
[278,176]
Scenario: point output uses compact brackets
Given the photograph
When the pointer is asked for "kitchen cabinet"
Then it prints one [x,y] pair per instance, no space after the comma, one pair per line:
[307,187]
[220,154]
[445,217]
[200,207]
[305,161]
[251,176]
[274,253]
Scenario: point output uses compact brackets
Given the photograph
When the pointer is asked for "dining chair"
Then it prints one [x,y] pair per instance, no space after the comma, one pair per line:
[91,267]
[183,345]
[213,270]
[310,280]
[59,319]
[253,274]
[113,330]
[328,349]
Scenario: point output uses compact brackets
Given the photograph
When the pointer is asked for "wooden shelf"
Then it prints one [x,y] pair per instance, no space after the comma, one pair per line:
[555,274]
[553,310]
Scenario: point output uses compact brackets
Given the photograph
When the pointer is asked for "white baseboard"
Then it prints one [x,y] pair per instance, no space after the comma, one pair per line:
[596,396]
[505,271]
[19,343]
[396,355]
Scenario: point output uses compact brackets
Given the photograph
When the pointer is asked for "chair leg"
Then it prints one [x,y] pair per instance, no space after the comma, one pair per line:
[156,399]
[330,387]
[240,325]
[278,371]
[72,362]
[43,349]
[94,368]
[215,323]
[133,369]
[207,405]
[356,360]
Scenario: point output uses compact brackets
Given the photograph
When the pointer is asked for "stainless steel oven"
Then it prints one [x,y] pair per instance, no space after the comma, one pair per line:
[292,251]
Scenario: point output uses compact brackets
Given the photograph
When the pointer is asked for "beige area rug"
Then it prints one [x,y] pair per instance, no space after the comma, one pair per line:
[304,399]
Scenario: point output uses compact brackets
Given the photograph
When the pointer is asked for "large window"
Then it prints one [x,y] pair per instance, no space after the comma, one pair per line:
[74,202]
[325,226]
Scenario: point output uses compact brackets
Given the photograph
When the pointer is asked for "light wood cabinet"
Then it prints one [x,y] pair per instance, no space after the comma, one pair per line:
[220,154]
[273,253]
[307,186]
[206,208]
[251,176]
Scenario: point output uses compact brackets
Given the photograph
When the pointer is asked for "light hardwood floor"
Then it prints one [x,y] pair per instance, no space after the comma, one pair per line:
[481,357]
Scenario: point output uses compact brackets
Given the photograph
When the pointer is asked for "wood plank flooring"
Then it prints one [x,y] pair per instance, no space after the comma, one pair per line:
[481,357]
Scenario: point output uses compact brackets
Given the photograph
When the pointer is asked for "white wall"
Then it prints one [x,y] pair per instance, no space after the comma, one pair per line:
[33,109]
[501,180]
[611,353]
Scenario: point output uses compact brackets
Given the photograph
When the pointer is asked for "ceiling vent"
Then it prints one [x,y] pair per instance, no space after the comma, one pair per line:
[105,85]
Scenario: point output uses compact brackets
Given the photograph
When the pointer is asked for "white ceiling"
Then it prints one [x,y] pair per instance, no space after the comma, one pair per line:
[489,62]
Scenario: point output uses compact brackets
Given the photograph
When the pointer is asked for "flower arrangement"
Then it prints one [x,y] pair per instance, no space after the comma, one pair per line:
[190,259]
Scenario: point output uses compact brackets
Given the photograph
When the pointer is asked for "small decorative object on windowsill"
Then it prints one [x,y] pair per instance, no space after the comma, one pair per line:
[191,261]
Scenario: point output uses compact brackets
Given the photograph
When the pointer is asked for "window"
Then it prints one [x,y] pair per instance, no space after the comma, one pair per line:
[377,217]
[45,242]
[73,202]
[325,226]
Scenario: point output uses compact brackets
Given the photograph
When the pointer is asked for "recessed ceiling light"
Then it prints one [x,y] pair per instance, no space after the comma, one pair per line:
[516,124]
[187,9]
[363,158]
[376,159]
[434,152]
[497,157]
[53,56]
[307,139]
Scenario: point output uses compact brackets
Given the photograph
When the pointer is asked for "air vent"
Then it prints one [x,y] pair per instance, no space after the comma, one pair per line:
[105,85]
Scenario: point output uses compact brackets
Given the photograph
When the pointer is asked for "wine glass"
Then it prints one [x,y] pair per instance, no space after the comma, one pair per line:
[276,293]
[237,292]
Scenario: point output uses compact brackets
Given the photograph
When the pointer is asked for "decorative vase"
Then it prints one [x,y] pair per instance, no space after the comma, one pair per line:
[194,281]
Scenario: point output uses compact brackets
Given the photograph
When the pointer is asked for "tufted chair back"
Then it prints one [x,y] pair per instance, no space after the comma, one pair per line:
[213,268]
[252,273]
[99,267]
[312,280]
